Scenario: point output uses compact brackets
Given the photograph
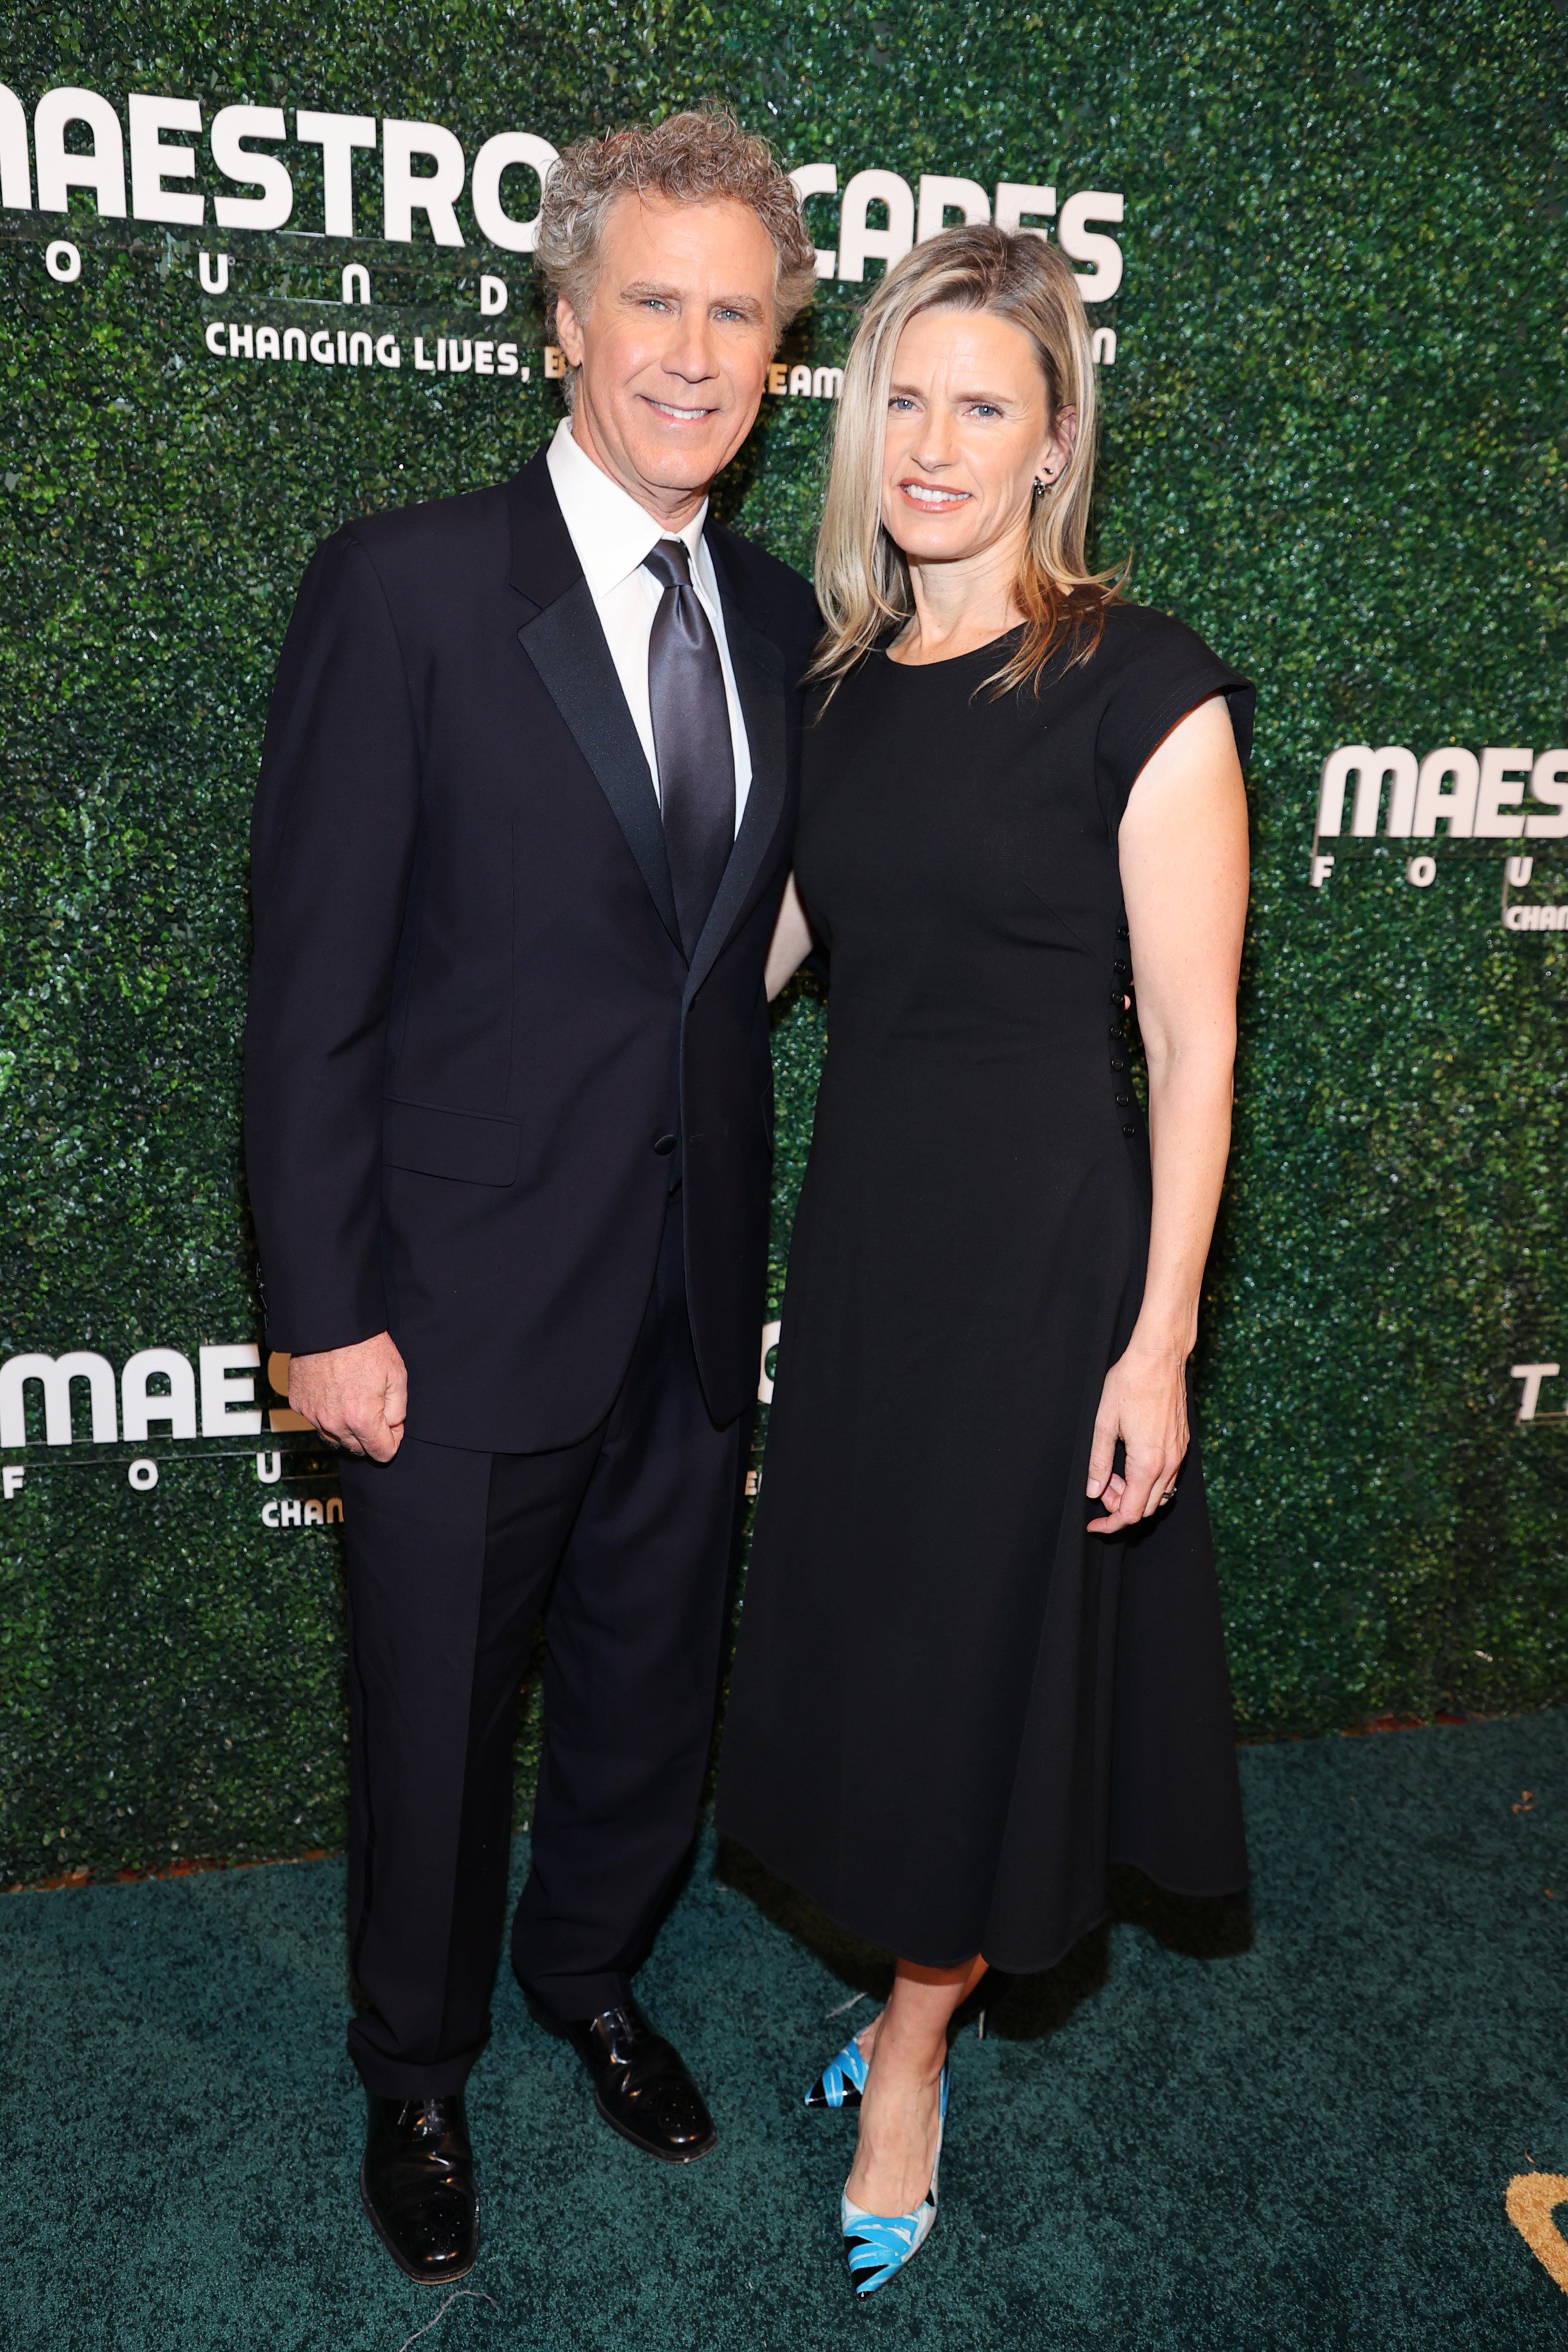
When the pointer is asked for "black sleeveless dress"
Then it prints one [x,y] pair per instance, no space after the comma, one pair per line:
[952,1708]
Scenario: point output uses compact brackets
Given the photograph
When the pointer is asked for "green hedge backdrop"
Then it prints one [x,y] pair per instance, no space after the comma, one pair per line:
[1334,443]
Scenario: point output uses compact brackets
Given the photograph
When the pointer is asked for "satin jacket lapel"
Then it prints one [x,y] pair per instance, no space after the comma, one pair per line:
[759,667]
[567,647]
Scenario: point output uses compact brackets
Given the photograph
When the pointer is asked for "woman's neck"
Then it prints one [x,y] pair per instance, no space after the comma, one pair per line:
[961,605]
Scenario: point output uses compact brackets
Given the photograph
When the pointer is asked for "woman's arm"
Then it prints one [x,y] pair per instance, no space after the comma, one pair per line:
[791,941]
[1183,851]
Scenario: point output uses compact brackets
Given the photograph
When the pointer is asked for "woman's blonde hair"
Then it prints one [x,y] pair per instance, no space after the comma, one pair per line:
[863,577]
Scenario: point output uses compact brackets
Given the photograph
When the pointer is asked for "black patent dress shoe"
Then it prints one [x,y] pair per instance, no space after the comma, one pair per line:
[416,2183]
[641,2086]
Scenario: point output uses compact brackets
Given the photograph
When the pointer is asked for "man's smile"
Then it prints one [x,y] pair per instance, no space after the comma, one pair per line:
[677,415]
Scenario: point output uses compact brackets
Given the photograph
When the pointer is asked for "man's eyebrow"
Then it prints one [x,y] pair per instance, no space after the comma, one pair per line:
[643,288]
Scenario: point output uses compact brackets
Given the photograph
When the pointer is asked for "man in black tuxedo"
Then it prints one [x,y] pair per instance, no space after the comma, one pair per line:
[524,822]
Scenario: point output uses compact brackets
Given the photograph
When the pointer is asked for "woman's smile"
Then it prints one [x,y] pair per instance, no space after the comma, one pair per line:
[931,498]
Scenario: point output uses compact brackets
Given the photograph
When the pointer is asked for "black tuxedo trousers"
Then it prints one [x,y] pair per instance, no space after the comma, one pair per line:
[625,1542]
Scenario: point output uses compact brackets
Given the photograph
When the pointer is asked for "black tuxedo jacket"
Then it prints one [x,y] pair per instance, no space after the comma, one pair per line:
[475,1052]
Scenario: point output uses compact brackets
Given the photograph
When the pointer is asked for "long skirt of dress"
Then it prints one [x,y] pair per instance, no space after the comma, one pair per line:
[952,1706]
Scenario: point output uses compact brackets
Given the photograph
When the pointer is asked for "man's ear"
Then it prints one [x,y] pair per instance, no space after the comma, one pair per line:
[569,329]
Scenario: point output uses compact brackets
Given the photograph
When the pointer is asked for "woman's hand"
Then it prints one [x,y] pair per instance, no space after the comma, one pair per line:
[1143,1403]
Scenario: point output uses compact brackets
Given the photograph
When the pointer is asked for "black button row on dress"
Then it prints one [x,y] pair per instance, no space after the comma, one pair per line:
[1120,987]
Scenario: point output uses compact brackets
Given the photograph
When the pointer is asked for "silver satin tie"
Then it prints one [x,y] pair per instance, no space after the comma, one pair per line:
[691,741]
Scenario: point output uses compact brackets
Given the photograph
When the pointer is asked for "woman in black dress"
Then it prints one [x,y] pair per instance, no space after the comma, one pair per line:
[980,1657]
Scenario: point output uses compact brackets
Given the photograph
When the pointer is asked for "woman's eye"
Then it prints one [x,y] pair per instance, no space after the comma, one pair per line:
[986,408]
[900,400]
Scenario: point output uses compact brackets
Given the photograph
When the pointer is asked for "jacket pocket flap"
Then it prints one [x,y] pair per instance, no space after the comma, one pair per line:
[456,1143]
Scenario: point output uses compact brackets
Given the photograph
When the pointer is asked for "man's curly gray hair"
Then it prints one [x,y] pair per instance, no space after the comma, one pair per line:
[692,159]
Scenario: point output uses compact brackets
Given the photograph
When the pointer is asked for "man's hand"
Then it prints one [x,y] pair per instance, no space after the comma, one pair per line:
[356,1396]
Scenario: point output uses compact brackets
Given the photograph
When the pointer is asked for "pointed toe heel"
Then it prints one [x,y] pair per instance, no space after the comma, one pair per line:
[877,2246]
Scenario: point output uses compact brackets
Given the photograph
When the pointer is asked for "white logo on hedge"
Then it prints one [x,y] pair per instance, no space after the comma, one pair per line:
[1532,1376]
[158,1394]
[1504,793]
[163,170]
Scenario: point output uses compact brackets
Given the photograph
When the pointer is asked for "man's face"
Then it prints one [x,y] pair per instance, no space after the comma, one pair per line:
[673,354]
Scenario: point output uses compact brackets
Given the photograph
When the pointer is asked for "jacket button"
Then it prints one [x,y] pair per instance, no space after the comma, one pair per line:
[1129,1130]
[1123,1102]
[1115,1065]
[663,1145]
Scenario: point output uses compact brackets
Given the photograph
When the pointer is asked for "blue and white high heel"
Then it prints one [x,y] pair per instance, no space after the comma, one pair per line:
[878,2245]
[842,2079]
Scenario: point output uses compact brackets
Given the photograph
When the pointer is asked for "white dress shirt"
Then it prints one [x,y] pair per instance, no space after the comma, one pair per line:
[613,536]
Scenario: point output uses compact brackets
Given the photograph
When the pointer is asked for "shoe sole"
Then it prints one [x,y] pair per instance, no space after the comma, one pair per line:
[662,2155]
[420,2278]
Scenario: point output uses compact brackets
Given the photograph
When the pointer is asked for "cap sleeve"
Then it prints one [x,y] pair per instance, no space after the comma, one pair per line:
[1165,671]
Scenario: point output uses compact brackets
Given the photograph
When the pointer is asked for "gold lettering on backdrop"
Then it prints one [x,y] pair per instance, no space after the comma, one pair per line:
[1533,2200]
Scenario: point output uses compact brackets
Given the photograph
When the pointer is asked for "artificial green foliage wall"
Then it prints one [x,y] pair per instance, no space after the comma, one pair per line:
[1333,442]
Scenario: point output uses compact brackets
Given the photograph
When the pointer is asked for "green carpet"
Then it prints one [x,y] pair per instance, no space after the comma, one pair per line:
[1210,2129]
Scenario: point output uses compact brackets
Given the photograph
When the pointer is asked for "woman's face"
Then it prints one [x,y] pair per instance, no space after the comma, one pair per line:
[968,435]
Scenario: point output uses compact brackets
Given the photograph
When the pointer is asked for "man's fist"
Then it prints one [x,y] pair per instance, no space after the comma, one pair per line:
[357,1396]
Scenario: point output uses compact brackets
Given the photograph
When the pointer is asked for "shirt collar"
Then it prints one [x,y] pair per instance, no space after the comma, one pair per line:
[612,533]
